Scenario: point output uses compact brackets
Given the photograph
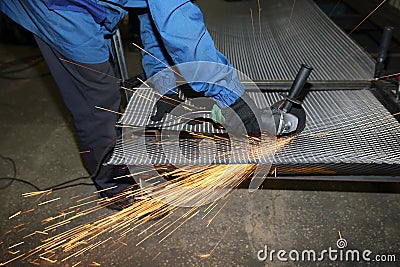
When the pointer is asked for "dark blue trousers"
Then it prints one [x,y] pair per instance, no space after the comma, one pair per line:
[84,86]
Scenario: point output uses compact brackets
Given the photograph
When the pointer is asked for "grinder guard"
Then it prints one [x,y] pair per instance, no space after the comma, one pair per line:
[289,115]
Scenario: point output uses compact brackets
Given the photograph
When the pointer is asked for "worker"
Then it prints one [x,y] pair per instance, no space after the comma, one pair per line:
[74,37]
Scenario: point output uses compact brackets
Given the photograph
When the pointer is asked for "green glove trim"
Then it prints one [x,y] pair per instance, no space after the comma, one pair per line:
[216,115]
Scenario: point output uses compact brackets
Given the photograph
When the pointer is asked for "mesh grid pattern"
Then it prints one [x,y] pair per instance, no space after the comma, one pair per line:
[343,126]
[286,37]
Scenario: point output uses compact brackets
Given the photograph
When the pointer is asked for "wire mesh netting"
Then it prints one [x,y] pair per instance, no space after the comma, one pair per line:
[343,127]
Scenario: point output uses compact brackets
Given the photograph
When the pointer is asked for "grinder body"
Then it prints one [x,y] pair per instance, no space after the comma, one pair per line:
[288,113]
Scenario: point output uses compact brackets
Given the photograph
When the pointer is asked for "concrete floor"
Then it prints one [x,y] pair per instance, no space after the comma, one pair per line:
[36,132]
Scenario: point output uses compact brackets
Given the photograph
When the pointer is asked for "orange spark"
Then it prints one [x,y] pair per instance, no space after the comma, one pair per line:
[91,69]
[48,201]
[259,17]
[216,245]
[386,76]
[156,256]
[252,24]
[369,15]
[393,115]
[109,110]
[76,264]
[159,60]
[14,215]
[291,12]
[195,184]
[7,262]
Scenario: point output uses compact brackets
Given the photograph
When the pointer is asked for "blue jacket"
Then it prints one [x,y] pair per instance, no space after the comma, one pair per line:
[185,38]
[81,30]
[74,31]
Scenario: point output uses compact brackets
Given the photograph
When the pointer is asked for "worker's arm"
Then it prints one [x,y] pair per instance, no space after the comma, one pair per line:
[178,26]
[185,38]
[155,60]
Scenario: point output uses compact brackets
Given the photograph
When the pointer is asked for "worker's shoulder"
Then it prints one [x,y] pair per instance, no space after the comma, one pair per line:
[74,34]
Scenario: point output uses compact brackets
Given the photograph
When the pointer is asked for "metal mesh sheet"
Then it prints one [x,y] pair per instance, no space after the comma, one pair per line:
[142,104]
[343,127]
[272,44]
[200,144]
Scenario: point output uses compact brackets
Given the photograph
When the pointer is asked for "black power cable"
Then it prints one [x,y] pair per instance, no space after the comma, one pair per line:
[62,185]
[54,188]
[107,150]
[11,179]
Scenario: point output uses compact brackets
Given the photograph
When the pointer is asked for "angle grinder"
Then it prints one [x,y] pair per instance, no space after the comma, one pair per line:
[288,113]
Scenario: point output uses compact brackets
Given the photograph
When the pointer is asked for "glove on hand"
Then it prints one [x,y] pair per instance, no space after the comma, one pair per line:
[165,105]
[248,114]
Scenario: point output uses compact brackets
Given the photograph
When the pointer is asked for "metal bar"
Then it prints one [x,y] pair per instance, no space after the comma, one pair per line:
[315,85]
[120,57]
[348,178]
